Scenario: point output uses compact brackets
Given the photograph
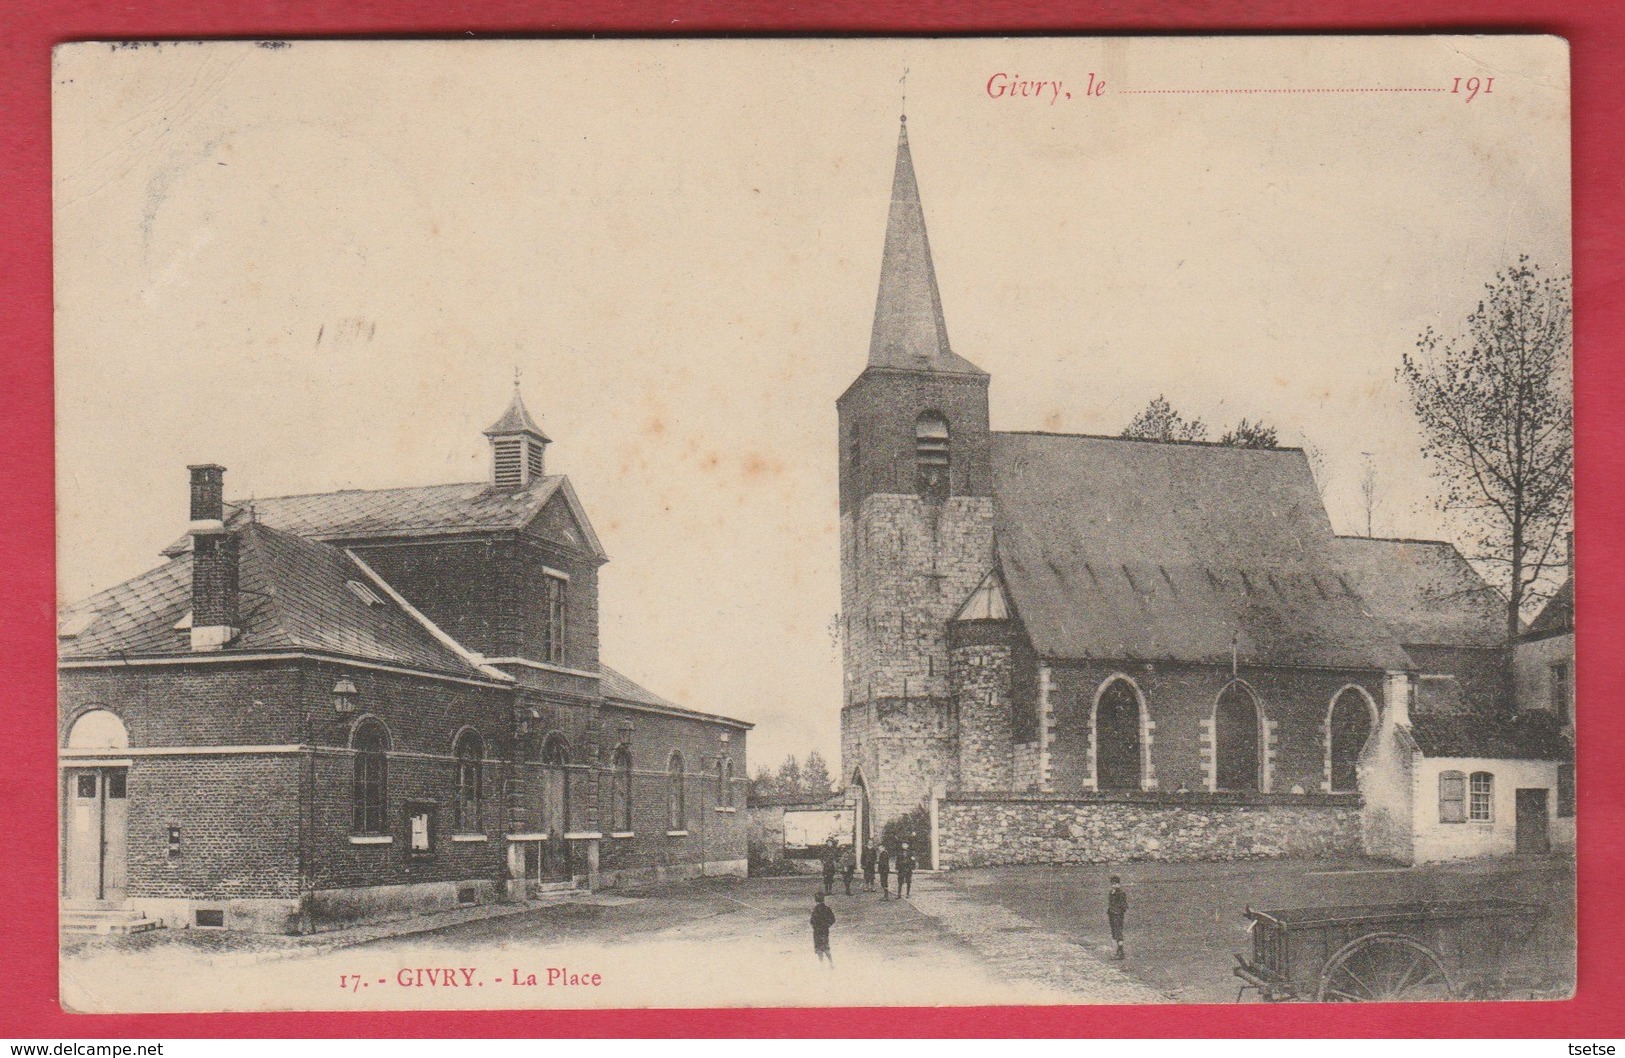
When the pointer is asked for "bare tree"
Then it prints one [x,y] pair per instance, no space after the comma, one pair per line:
[1368,491]
[1497,412]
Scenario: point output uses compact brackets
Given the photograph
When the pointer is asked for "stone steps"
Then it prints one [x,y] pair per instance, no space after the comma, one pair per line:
[102,920]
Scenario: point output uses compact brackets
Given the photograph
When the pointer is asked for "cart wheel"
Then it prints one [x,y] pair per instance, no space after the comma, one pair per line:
[1383,968]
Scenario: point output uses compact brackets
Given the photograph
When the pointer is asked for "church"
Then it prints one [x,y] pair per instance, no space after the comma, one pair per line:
[330,708]
[1071,648]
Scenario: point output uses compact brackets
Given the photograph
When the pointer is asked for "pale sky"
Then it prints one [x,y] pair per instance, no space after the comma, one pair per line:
[320,264]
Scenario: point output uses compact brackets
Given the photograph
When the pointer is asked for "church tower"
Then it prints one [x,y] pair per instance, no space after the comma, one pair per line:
[916,524]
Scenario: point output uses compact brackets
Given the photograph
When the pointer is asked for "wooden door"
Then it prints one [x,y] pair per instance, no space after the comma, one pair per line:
[95,834]
[1532,837]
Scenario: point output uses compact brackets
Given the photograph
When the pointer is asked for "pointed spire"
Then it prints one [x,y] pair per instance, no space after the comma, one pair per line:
[516,419]
[910,332]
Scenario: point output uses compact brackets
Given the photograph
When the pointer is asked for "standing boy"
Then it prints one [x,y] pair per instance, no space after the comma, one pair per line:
[849,866]
[828,855]
[1116,912]
[868,868]
[822,919]
[883,862]
[905,871]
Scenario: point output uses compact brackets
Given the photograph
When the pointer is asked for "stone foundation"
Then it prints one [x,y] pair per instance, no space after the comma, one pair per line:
[980,830]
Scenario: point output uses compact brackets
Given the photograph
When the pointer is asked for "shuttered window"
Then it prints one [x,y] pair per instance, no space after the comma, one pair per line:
[1452,797]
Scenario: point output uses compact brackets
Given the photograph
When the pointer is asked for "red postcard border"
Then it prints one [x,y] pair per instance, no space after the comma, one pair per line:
[1596,33]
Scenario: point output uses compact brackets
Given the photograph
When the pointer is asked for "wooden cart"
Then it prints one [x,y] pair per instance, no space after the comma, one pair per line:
[1419,951]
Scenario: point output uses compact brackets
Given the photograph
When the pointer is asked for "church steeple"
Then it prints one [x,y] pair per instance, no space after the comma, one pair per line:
[517,446]
[910,332]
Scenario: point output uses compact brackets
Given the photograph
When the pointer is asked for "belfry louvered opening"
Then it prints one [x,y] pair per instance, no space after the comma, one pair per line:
[510,463]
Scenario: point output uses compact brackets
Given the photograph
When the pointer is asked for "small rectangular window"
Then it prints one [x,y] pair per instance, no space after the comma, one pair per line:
[209,918]
[115,785]
[1452,797]
[86,786]
[1560,689]
[466,895]
[1565,791]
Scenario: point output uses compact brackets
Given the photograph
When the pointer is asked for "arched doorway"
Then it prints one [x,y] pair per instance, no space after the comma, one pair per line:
[1349,727]
[95,810]
[547,856]
[861,803]
[1236,742]
[1118,753]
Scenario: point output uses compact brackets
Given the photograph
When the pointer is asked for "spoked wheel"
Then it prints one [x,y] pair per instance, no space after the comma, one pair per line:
[1384,968]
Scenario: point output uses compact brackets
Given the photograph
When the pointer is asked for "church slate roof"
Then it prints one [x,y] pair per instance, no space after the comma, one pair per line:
[1424,591]
[1533,734]
[293,597]
[1556,617]
[1118,549]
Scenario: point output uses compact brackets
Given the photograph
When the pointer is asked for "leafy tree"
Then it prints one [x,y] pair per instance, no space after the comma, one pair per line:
[789,779]
[913,827]
[1247,434]
[1497,415]
[763,786]
[815,781]
[1160,422]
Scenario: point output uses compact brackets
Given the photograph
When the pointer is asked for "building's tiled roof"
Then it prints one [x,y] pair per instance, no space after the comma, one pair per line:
[1529,735]
[1557,617]
[616,687]
[293,597]
[1138,550]
[1424,591]
[424,510]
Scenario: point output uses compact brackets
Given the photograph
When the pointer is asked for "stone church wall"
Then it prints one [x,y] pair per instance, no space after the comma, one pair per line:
[987,830]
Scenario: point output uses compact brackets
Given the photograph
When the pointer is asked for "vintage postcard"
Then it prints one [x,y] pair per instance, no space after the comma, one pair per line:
[724,523]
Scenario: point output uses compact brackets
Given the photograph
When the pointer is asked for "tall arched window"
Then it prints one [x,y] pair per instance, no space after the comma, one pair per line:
[725,781]
[620,814]
[1238,764]
[1347,729]
[1117,737]
[676,812]
[555,782]
[369,791]
[931,468]
[469,750]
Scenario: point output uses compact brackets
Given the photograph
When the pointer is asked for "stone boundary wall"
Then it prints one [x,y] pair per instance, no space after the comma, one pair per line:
[982,830]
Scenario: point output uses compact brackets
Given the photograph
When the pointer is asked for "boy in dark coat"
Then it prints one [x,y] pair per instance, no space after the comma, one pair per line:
[1116,912]
[822,919]
[905,871]
[828,854]
[868,868]
[883,863]
[849,866]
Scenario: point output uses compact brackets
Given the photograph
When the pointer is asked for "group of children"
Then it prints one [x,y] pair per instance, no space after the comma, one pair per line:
[880,860]
[877,860]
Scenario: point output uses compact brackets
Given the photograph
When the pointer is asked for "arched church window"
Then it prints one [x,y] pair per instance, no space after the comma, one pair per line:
[1117,737]
[1239,763]
[1348,729]
[469,752]
[931,468]
[369,794]
[676,812]
[621,791]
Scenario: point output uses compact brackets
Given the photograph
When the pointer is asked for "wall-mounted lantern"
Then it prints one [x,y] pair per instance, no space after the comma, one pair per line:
[344,696]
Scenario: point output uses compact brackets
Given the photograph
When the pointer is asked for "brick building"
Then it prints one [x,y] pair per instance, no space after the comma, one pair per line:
[330,707]
[1074,648]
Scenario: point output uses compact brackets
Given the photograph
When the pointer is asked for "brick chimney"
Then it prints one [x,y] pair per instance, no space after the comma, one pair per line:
[214,561]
